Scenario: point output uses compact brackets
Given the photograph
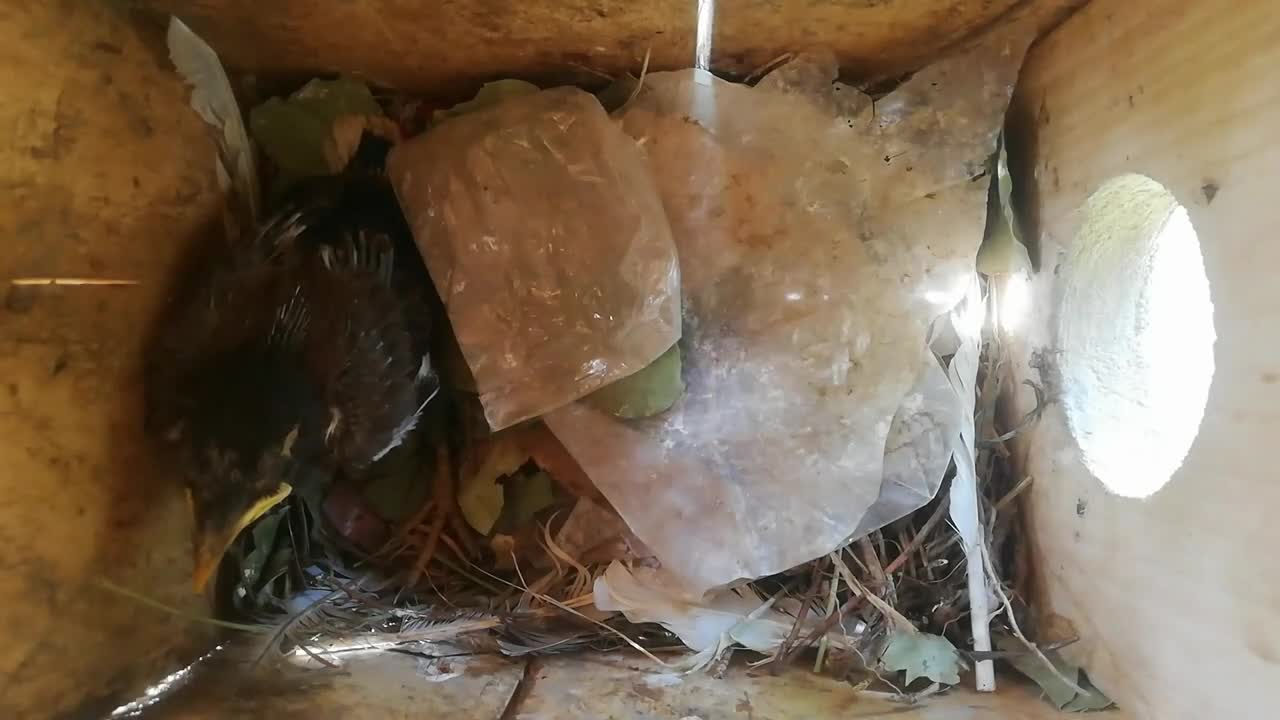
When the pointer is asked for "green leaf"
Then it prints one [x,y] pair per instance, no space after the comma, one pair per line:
[490,94]
[1092,700]
[275,569]
[527,496]
[293,131]
[1063,696]
[311,495]
[264,541]
[480,496]
[648,392]
[922,655]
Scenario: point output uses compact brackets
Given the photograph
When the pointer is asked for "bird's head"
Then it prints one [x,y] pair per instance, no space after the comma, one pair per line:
[228,491]
[253,432]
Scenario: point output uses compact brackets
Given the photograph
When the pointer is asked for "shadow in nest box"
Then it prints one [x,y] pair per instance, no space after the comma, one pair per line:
[155,475]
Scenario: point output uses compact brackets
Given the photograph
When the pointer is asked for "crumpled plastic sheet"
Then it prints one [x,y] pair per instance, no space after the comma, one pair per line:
[545,237]
[917,450]
[819,234]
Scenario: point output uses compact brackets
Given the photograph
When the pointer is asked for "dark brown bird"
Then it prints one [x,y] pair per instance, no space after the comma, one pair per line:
[304,356]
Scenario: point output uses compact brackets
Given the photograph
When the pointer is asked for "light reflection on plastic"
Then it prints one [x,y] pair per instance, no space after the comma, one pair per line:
[944,300]
[1015,302]
[972,313]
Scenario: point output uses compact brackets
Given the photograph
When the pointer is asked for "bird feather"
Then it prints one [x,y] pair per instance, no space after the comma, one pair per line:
[214,100]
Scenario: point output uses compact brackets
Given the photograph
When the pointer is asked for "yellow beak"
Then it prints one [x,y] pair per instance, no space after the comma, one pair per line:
[212,542]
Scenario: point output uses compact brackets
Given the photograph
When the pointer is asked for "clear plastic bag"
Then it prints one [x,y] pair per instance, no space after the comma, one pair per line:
[547,242]
[819,234]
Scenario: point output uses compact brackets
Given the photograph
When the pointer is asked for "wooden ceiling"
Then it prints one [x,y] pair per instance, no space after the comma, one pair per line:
[449,46]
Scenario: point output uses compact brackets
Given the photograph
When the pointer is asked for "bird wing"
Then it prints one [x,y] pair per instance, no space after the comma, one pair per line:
[362,352]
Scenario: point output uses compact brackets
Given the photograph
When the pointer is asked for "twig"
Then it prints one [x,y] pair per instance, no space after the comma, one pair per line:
[1000,504]
[396,542]
[71,281]
[902,543]
[1017,631]
[784,650]
[428,549]
[1013,494]
[143,599]
[870,667]
[563,606]
[281,630]
[444,506]
[905,697]
[920,537]
[768,67]
[644,70]
[1030,418]
[831,606]
[853,603]
[899,621]
[872,560]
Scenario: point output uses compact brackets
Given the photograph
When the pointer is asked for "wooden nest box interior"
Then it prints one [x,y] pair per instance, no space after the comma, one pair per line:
[1152,495]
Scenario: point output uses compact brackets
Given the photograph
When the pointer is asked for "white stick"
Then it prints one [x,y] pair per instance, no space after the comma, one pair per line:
[702,37]
[963,374]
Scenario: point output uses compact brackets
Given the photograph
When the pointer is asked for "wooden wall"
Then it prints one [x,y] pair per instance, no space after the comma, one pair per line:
[1175,596]
[449,46]
[104,174]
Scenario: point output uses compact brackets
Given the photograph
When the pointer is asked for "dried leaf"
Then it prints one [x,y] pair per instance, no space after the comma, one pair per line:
[296,131]
[253,565]
[489,94]
[480,496]
[215,101]
[1090,701]
[1056,691]
[923,655]
[648,392]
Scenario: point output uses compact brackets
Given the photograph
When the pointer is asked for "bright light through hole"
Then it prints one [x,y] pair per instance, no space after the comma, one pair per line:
[1136,333]
[1015,302]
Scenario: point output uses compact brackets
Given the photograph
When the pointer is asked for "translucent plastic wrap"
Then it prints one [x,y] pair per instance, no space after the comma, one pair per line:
[918,447]
[819,234]
[546,239]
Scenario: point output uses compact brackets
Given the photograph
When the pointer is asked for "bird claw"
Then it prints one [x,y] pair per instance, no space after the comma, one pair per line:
[442,511]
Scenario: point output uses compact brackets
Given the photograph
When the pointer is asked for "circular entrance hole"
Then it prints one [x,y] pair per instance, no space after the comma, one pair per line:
[1136,333]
